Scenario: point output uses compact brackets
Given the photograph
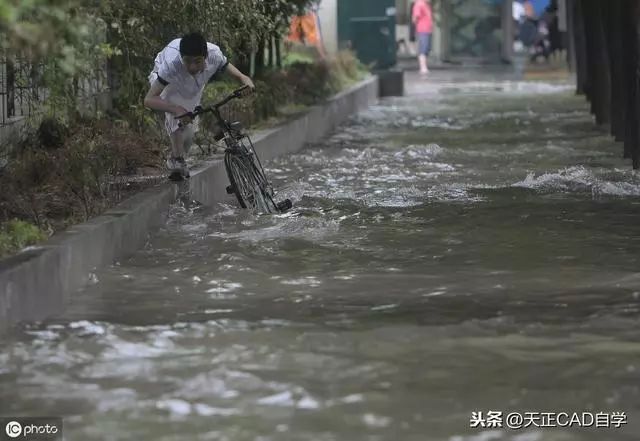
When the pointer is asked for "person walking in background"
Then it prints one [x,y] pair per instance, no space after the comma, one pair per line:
[412,31]
[519,11]
[519,16]
[529,10]
[423,19]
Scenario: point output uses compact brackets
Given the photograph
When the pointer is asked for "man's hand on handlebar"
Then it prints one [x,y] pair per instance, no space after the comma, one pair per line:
[248,88]
[183,115]
[187,117]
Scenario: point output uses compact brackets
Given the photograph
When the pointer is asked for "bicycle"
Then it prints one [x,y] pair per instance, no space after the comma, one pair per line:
[246,175]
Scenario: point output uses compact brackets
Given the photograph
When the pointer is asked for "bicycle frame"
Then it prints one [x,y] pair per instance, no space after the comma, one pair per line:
[236,148]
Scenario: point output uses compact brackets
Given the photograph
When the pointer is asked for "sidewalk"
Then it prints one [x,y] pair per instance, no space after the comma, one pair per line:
[442,74]
[474,69]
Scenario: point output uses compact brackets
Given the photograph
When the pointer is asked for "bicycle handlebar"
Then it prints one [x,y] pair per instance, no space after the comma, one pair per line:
[200,110]
[235,94]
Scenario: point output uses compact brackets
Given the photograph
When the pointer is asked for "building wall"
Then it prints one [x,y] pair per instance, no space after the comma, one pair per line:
[476,28]
[328,15]
[444,44]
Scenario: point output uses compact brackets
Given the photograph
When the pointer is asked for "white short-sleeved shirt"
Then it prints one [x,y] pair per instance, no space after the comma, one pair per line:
[518,11]
[182,88]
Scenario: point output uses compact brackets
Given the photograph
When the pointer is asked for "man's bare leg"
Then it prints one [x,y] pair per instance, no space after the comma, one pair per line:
[423,64]
[181,141]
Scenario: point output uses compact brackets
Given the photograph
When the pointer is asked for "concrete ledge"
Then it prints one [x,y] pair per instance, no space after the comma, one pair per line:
[35,283]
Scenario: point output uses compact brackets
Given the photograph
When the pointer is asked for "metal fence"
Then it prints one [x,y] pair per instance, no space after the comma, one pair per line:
[19,90]
[23,95]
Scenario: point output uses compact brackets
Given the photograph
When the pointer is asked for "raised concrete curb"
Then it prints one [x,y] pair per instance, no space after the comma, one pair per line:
[35,283]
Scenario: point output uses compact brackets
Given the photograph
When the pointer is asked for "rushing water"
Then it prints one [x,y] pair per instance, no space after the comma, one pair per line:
[471,247]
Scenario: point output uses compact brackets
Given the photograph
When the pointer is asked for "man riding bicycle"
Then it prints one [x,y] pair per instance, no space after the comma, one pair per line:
[181,72]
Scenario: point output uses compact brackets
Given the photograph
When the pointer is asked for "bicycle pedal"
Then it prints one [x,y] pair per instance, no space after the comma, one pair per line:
[176,176]
[284,205]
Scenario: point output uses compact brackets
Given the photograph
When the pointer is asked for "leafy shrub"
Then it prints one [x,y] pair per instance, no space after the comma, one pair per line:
[77,180]
[304,83]
[17,234]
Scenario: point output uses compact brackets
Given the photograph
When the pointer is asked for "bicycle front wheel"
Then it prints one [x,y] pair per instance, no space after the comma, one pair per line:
[247,185]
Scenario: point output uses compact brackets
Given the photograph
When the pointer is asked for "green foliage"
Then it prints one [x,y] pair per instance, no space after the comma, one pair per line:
[17,234]
[346,70]
[294,57]
[61,34]
[77,180]
[72,38]
[42,27]
[302,83]
[138,30]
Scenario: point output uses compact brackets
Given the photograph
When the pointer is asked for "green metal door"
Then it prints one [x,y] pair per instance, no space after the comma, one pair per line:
[475,28]
[369,28]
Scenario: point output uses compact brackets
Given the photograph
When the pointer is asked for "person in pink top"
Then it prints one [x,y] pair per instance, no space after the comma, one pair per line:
[423,19]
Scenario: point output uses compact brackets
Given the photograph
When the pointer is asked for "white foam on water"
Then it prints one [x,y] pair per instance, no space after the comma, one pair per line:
[581,179]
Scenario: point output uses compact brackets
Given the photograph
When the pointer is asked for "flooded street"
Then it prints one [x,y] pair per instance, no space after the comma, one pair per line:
[471,247]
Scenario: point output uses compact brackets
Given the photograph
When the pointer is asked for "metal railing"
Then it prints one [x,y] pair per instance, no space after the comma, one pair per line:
[23,95]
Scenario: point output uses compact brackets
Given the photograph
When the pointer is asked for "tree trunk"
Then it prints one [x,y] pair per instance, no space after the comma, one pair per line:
[259,63]
[278,52]
[270,64]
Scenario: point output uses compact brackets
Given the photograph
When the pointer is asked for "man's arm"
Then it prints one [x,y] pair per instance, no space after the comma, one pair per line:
[154,101]
[235,73]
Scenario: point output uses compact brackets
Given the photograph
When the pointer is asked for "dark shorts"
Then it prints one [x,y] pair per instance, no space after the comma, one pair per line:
[424,43]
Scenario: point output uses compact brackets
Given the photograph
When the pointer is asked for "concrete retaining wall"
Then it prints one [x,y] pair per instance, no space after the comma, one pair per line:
[35,283]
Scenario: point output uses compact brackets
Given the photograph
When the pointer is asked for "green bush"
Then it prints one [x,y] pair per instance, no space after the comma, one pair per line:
[299,55]
[17,234]
[77,180]
[346,70]
[301,83]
